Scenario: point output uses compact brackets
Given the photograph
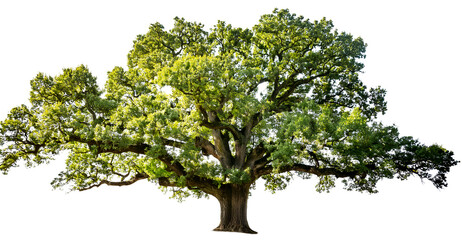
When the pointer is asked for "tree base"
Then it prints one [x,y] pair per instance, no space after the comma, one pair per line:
[238,229]
[233,205]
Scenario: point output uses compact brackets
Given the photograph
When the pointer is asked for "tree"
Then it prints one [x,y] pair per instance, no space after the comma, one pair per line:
[209,113]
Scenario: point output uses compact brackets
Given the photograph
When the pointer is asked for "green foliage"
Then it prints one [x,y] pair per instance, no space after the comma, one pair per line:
[197,110]
[276,182]
[237,176]
[325,184]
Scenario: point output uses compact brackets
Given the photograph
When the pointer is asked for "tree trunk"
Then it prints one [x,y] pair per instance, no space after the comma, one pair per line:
[233,204]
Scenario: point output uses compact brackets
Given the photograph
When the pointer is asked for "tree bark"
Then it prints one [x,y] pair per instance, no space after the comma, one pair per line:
[233,203]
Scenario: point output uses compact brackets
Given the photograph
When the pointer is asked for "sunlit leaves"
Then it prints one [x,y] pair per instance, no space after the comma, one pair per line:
[215,83]
[228,40]
[22,138]
[72,86]
[325,183]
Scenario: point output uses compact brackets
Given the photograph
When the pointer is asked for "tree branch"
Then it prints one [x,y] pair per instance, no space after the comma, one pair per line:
[172,143]
[173,165]
[221,126]
[254,86]
[136,178]
[140,148]
[307,169]
[255,155]
[207,147]
[192,183]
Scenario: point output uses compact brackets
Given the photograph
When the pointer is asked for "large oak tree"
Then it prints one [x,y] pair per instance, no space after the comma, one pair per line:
[209,113]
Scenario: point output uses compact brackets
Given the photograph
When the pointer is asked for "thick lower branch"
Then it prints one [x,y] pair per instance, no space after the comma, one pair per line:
[139,148]
[193,182]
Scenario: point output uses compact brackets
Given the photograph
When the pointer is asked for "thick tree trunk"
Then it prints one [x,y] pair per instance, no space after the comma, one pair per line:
[233,204]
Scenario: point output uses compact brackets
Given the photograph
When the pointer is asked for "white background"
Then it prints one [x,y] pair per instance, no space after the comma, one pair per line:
[414,51]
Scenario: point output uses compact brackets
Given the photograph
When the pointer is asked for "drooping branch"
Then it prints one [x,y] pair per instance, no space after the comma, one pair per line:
[307,169]
[134,179]
[193,183]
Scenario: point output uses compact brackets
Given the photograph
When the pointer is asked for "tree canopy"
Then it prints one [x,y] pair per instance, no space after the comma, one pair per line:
[211,112]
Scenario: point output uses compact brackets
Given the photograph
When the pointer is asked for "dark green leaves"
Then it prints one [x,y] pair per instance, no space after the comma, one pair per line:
[428,162]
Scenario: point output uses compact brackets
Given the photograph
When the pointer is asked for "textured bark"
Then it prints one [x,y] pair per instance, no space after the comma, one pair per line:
[233,203]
